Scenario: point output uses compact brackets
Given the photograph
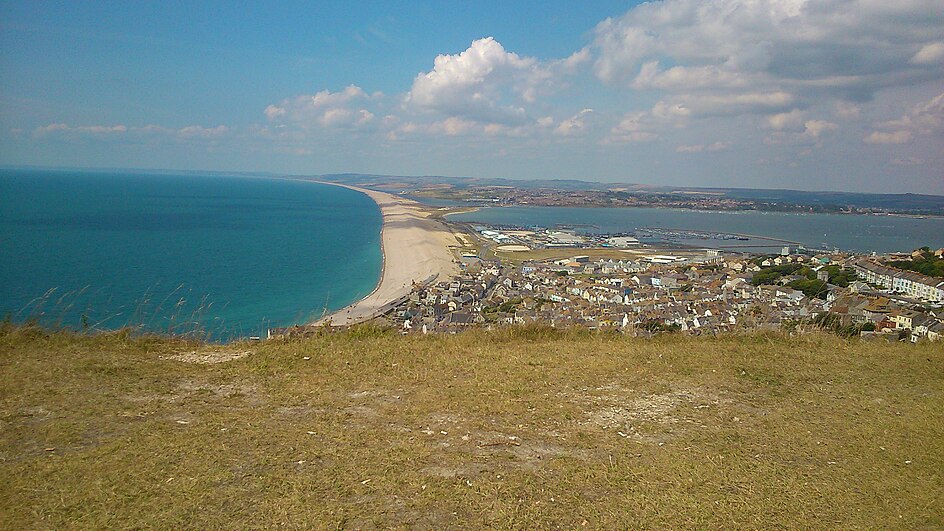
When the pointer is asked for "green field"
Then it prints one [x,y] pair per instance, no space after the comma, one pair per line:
[516,428]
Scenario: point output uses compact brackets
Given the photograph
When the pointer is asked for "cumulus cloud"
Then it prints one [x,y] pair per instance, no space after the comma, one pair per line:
[815,128]
[809,135]
[485,83]
[634,127]
[790,73]
[730,104]
[572,63]
[792,120]
[781,42]
[687,78]
[846,110]
[929,54]
[924,119]
[897,137]
[574,125]
[783,64]
[345,108]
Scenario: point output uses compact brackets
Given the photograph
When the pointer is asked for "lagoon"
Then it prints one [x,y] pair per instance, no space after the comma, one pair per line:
[861,233]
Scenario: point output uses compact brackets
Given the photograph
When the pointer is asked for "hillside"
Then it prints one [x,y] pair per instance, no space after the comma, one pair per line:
[458,188]
[515,428]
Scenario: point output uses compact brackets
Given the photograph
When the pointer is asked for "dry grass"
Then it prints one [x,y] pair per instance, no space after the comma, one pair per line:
[515,428]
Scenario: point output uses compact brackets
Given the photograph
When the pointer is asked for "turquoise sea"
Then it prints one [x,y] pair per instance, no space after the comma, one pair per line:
[844,231]
[223,256]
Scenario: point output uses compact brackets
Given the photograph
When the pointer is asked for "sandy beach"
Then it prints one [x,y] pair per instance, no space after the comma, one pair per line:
[415,249]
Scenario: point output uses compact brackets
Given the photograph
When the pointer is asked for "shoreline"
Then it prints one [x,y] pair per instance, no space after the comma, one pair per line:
[414,248]
[706,210]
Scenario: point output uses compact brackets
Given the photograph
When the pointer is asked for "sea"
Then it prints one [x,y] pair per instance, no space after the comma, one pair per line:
[229,256]
[764,231]
[216,256]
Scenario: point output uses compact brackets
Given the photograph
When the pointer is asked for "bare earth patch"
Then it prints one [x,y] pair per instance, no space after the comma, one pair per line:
[652,417]
[209,356]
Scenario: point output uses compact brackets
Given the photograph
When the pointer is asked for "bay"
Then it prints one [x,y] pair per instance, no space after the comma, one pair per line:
[221,256]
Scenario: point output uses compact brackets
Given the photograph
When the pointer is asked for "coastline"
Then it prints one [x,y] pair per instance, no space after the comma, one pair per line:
[415,249]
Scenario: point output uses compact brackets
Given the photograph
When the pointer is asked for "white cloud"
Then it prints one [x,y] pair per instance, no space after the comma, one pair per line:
[698,148]
[897,137]
[847,110]
[686,78]
[82,130]
[670,111]
[815,128]
[195,131]
[576,124]
[742,103]
[345,108]
[574,61]
[485,83]
[50,129]
[451,126]
[809,135]
[151,131]
[845,49]
[634,127]
[792,73]
[792,120]
[929,54]
[778,63]
[923,119]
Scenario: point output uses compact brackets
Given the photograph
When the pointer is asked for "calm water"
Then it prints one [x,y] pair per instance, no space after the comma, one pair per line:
[227,255]
[848,232]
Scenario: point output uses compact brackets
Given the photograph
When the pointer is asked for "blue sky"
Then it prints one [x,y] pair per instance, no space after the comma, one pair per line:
[818,94]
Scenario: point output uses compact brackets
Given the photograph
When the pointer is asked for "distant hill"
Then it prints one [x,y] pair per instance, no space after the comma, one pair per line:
[909,203]
[915,202]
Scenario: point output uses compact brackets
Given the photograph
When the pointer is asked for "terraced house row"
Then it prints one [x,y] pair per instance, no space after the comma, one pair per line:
[909,283]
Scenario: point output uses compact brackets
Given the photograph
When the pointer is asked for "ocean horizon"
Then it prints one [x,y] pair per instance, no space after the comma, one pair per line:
[221,256]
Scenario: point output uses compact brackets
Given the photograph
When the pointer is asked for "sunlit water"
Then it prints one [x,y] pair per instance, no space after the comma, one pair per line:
[225,256]
[844,231]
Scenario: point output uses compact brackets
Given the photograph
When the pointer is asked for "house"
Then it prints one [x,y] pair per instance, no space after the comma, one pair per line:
[907,282]
[859,287]
[903,319]
[790,295]
[670,280]
[458,319]
[935,331]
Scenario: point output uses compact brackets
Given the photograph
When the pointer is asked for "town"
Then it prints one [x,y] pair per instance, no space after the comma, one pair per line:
[617,283]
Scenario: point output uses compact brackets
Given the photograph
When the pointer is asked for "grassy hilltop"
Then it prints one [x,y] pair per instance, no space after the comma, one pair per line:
[515,428]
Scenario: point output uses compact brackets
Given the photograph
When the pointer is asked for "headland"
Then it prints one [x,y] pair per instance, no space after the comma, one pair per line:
[415,251]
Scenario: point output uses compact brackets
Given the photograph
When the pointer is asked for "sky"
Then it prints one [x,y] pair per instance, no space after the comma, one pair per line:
[800,94]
